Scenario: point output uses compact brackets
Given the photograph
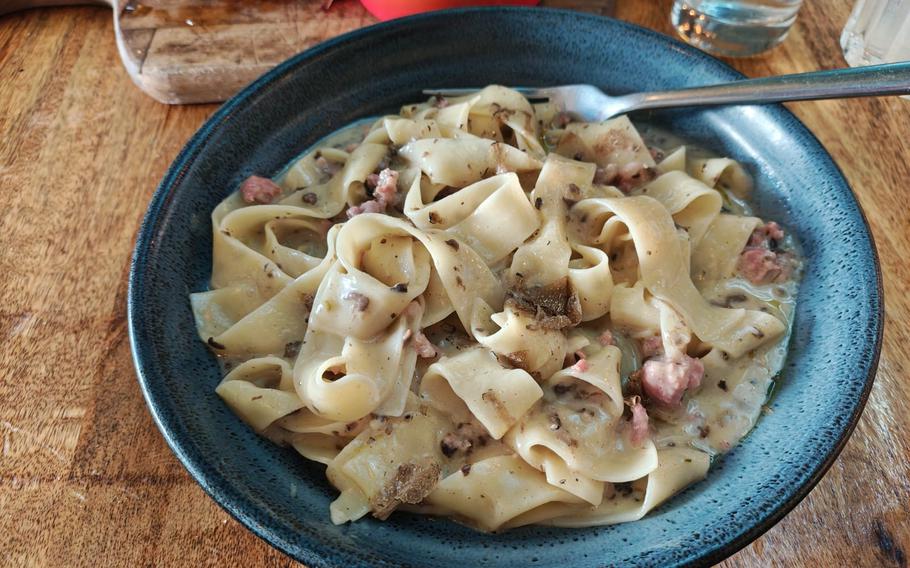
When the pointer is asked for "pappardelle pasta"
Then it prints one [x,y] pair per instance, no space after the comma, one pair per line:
[479,308]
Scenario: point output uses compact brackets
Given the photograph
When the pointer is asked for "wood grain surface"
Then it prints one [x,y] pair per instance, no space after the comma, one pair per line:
[85,477]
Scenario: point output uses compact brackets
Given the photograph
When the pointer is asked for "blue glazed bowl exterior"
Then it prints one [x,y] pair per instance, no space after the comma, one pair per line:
[284,499]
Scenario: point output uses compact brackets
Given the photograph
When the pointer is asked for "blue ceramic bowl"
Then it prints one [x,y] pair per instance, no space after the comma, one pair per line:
[284,499]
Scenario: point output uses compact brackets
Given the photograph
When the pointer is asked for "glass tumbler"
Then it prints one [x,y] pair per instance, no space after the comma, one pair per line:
[878,31]
[736,28]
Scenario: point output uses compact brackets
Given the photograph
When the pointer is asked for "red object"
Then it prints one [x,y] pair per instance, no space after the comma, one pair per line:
[388,9]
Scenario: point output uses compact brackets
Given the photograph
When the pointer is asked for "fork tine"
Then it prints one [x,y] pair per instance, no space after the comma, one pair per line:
[529,92]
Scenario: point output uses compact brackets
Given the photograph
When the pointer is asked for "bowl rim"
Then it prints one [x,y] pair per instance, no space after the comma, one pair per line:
[161,198]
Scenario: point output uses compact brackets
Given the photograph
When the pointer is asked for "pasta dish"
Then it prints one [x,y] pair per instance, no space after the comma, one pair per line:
[481,309]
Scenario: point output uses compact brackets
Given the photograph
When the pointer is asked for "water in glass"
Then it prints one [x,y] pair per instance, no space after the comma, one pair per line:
[736,28]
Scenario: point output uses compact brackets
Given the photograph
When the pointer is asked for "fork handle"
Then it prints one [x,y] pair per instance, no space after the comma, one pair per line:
[886,79]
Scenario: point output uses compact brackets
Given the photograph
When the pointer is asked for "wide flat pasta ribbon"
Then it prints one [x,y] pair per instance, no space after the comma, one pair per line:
[515,336]
[665,273]
[495,491]
[463,161]
[692,204]
[677,468]
[723,173]
[239,320]
[394,461]
[344,378]
[492,216]
[544,259]
[455,264]
[613,142]
[715,257]
[474,379]
[576,433]
[345,187]
[260,391]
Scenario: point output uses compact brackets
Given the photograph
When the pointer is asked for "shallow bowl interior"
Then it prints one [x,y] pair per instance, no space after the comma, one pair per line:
[285,500]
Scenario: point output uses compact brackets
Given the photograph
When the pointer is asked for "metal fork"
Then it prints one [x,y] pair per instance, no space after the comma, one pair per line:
[589,103]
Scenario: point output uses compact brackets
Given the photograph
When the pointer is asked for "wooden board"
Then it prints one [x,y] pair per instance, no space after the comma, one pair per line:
[85,477]
[207,51]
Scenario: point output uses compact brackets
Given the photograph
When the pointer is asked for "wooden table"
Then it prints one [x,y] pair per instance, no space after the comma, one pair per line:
[85,477]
